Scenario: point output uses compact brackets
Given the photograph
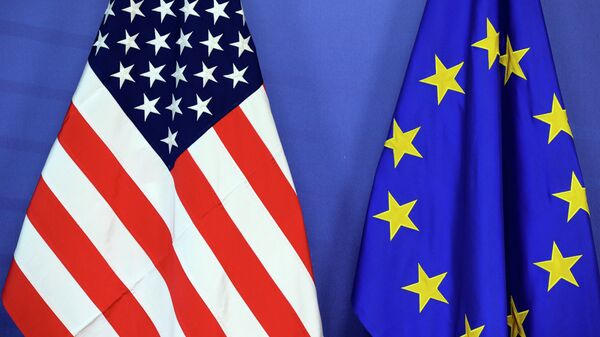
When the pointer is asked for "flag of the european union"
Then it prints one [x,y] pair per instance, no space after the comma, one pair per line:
[478,223]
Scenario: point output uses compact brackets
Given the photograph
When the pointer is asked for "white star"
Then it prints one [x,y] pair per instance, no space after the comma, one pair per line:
[123,74]
[129,42]
[109,11]
[184,41]
[134,9]
[188,9]
[212,42]
[178,74]
[218,10]
[149,106]
[153,74]
[170,140]
[159,41]
[101,42]
[206,74]
[237,76]
[164,9]
[174,107]
[241,12]
[242,45]
[201,107]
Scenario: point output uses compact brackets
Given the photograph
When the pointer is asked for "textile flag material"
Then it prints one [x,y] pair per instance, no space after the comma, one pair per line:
[166,206]
[478,223]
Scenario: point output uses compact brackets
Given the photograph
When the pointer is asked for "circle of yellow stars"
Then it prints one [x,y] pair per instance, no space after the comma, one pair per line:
[401,143]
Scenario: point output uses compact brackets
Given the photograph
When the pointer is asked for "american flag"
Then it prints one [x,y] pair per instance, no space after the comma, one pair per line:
[166,206]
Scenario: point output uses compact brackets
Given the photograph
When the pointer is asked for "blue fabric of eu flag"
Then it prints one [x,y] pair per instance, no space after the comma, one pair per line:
[478,223]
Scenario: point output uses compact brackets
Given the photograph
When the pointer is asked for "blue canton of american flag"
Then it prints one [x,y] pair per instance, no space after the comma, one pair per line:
[175,67]
[166,206]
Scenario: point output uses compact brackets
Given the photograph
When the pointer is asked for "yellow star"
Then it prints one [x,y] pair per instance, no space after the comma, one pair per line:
[472,333]
[491,43]
[397,215]
[559,267]
[575,197]
[511,61]
[427,288]
[401,143]
[557,119]
[444,79]
[515,320]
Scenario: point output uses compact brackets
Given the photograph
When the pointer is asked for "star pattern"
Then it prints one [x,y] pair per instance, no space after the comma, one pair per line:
[444,79]
[175,67]
[556,119]
[511,61]
[174,107]
[427,288]
[515,320]
[242,44]
[189,9]
[134,9]
[183,41]
[109,11]
[159,41]
[237,76]
[575,197]
[241,12]
[124,74]
[148,107]
[212,42]
[170,140]
[153,74]
[218,10]
[206,74]
[100,42]
[201,107]
[164,9]
[491,43]
[472,332]
[129,42]
[559,267]
[168,103]
[178,74]
[401,143]
[397,215]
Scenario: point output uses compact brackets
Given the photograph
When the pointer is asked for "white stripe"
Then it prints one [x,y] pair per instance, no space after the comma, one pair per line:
[55,284]
[258,111]
[219,294]
[153,178]
[95,329]
[105,116]
[112,239]
[258,228]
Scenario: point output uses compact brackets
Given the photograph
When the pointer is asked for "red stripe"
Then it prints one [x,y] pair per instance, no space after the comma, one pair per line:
[243,267]
[28,310]
[265,176]
[141,219]
[87,266]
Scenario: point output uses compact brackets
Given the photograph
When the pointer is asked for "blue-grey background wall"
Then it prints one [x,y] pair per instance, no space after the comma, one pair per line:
[332,69]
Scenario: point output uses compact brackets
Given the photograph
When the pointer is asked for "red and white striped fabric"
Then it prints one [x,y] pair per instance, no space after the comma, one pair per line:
[116,244]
